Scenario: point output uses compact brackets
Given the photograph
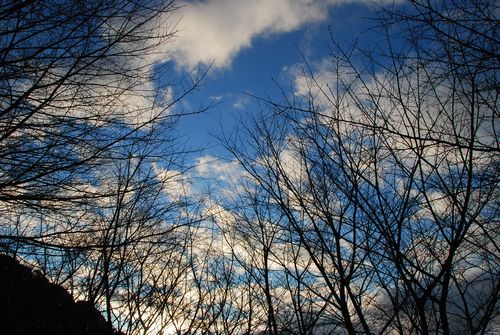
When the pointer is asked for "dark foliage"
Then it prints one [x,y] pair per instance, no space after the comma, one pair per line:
[32,305]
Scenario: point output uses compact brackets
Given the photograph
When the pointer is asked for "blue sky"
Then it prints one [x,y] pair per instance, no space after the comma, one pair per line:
[252,43]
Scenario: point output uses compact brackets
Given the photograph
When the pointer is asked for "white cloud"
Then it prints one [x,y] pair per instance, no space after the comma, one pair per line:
[226,178]
[176,183]
[213,167]
[241,102]
[216,30]
[141,103]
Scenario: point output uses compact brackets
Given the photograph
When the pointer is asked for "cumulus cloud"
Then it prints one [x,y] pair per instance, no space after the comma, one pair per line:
[227,178]
[241,102]
[213,167]
[215,31]
[176,183]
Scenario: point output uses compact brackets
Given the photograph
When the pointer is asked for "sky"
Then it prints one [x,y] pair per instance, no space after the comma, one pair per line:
[252,46]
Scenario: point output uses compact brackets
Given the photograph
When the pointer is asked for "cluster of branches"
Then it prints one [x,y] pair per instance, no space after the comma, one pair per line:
[88,152]
[372,199]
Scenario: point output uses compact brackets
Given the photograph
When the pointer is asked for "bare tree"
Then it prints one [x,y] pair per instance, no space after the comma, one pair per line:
[386,176]
[78,93]
[88,152]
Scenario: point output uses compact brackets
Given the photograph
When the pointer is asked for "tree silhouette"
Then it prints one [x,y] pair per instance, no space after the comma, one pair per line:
[87,117]
[382,179]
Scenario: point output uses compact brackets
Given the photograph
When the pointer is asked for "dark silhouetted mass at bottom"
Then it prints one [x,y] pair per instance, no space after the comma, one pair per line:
[32,305]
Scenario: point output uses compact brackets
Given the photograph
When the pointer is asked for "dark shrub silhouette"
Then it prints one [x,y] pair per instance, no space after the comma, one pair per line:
[32,305]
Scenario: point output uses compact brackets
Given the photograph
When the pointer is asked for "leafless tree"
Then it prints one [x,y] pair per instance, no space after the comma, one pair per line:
[78,94]
[89,155]
[385,175]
